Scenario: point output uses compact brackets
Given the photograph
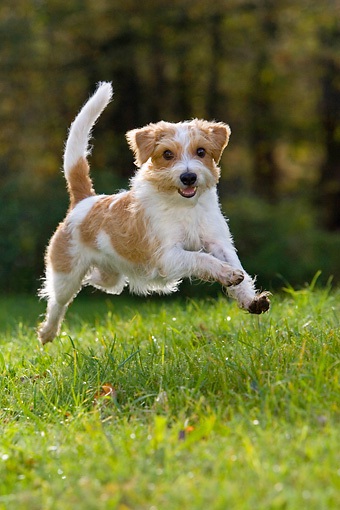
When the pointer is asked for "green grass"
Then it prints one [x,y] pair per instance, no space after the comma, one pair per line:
[212,408]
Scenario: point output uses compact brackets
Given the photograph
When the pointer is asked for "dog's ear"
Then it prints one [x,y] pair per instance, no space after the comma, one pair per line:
[142,143]
[219,137]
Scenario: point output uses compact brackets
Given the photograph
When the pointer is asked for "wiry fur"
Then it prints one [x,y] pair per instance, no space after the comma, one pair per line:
[166,227]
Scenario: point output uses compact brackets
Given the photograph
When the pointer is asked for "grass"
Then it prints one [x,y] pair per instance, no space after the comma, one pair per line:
[172,404]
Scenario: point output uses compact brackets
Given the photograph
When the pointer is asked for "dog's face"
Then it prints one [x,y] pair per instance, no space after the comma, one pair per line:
[180,158]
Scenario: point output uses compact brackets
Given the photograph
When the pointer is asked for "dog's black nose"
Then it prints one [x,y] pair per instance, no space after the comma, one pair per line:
[188,178]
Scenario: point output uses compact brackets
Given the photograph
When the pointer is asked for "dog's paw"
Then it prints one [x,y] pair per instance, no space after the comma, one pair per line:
[46,333]
[260,303]
[230,277]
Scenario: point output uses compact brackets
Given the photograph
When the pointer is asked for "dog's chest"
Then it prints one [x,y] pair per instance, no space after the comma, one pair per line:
[185,228]
[192,237]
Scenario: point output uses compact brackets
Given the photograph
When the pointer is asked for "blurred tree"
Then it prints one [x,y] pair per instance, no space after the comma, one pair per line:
[329,194]
[269,68]
[263,123]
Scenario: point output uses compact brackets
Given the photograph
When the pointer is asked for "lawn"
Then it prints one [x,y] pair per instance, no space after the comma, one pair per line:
[172,404]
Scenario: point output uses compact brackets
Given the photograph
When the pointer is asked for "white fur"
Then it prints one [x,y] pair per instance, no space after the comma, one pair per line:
[191,235]
[81,210]
[77,144]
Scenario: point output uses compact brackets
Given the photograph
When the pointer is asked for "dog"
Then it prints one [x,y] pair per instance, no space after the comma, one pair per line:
[166,227]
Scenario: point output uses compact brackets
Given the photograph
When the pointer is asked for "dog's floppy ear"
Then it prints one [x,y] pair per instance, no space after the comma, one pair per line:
[221,133]
[142,143]
[218,136]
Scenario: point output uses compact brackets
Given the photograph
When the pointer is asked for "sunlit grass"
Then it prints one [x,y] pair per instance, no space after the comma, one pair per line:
[210,407]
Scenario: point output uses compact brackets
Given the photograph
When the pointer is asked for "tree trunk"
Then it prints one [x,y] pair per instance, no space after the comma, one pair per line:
[329,185]
[263,126]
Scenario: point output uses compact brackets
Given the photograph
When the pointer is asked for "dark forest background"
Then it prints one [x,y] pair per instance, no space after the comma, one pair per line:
[269,68]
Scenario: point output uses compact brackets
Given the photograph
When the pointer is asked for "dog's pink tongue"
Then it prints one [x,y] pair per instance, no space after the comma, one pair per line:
[188,192]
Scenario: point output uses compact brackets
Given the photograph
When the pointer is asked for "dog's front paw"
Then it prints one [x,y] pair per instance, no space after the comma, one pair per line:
[230,277]
[260,303]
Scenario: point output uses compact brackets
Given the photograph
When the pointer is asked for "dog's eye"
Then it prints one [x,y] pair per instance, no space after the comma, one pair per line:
[168,155]
[200,152]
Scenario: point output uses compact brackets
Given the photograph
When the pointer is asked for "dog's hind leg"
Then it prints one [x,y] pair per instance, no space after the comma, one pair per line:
[60,289]
[51,326]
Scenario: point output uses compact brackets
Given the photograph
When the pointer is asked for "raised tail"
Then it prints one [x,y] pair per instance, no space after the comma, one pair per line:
[76,168]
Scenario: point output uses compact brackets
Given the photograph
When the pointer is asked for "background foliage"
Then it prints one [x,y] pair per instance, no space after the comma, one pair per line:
[268,68]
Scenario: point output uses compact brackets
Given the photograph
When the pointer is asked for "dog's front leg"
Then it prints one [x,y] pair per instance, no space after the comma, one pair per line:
[179,263]
[245,293]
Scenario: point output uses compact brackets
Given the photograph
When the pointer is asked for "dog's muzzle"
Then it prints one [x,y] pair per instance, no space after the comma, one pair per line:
[189,179]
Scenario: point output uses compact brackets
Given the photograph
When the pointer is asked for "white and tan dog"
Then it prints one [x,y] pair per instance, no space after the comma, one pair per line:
[166,227]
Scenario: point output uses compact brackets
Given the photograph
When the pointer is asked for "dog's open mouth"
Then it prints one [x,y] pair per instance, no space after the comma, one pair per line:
[187,192]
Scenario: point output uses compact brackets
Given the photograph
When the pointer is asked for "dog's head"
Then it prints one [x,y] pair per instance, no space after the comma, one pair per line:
[180,157]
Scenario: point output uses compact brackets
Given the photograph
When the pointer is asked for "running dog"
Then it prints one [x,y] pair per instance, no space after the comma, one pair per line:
[166,227]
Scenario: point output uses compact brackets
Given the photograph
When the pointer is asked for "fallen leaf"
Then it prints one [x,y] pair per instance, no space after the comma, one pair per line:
[107,391]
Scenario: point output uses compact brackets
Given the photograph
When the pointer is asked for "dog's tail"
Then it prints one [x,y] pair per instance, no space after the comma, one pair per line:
[76,168]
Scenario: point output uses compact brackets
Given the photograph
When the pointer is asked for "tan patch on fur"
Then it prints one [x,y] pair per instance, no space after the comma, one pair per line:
[158,172]
[79,183]
[143,141]
[124,224]
[216,135]
[58,253]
